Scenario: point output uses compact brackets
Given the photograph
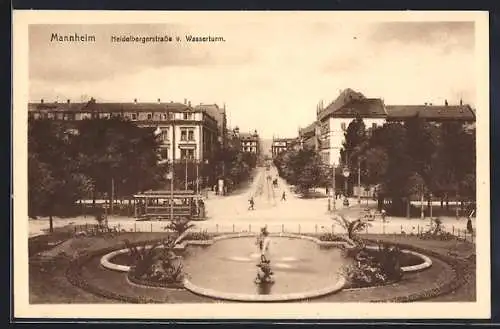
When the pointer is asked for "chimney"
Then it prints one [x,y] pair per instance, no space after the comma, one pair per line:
[135,100]
[185,101]
[445,102]
[189,103]
[69,101]
[159,100]
[461,103]
[41,101]
[425,103]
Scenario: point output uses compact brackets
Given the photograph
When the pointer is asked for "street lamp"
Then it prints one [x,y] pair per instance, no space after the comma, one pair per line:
[346,174]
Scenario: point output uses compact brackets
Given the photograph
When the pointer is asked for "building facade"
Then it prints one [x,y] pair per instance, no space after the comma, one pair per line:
[308,137]
[332,121]
[189,136]
[250,142]
[219,114]
[280,145]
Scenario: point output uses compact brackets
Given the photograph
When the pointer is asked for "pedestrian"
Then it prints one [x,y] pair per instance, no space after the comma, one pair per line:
[469,223]
[383,215]
[251,203]
[283,196]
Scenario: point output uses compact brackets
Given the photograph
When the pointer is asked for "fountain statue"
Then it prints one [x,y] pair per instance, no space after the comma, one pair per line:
[265,273]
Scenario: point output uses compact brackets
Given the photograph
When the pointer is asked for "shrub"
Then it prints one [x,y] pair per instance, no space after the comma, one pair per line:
[330,237]
[179,225]
[154,264]
[203,235]
[373,267]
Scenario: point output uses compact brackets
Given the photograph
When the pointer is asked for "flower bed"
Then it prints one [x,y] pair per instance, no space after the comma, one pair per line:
[198,236]
[151,283]
[73,275]
[461,270]
[331,237]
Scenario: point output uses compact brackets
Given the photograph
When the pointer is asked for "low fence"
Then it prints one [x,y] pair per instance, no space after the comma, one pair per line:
[295,228]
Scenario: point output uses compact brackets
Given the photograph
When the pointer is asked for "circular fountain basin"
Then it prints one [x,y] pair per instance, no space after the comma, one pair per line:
[227,270]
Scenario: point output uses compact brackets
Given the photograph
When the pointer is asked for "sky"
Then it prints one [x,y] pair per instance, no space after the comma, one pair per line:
[271,74]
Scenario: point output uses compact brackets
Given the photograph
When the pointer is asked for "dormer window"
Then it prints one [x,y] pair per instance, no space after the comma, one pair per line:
[150,116]
[134,116]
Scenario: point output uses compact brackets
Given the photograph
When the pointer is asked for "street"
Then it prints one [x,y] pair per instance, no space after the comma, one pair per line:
[231,214]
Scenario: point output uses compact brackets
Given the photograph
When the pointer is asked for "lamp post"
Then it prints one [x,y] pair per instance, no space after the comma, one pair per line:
[346,174]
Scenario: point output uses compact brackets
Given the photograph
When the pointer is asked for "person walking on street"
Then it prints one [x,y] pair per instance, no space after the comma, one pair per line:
[283,196]
[251,203]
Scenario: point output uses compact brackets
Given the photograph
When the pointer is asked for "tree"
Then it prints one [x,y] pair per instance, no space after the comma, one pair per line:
[422,143]
[54,181]
[118,149]
[311,173]
[354,137]
[302,168]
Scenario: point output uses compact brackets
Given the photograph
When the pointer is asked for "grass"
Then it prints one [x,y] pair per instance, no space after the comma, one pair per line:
[48,283]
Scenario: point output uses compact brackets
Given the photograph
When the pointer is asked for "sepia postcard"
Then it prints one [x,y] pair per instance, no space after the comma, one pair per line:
[251,165]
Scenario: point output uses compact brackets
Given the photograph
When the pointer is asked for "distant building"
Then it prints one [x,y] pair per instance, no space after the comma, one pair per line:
[219,114]
[250,142]
[280,145]
[309,137]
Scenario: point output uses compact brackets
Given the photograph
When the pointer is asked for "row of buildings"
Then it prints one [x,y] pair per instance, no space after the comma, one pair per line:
[189,134]
[326,133]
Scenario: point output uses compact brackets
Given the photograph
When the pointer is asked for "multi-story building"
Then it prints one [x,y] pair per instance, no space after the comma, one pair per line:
[189,136]
[332,121]
[308,137]
[250,142]
[280,145]
[219,114]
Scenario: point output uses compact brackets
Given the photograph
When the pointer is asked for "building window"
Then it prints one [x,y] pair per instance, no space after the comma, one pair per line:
[191,135]
[188,116]
[150,116]
[187,154]
[183,135]
[343,126]
[164,153]
[374,125]
[164,134]
[164,116]
[134,116]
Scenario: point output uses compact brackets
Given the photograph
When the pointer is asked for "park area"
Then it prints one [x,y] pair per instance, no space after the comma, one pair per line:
[66,268]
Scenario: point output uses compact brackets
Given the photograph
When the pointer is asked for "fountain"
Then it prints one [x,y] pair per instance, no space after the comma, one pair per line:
[265,273]
[289,267]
